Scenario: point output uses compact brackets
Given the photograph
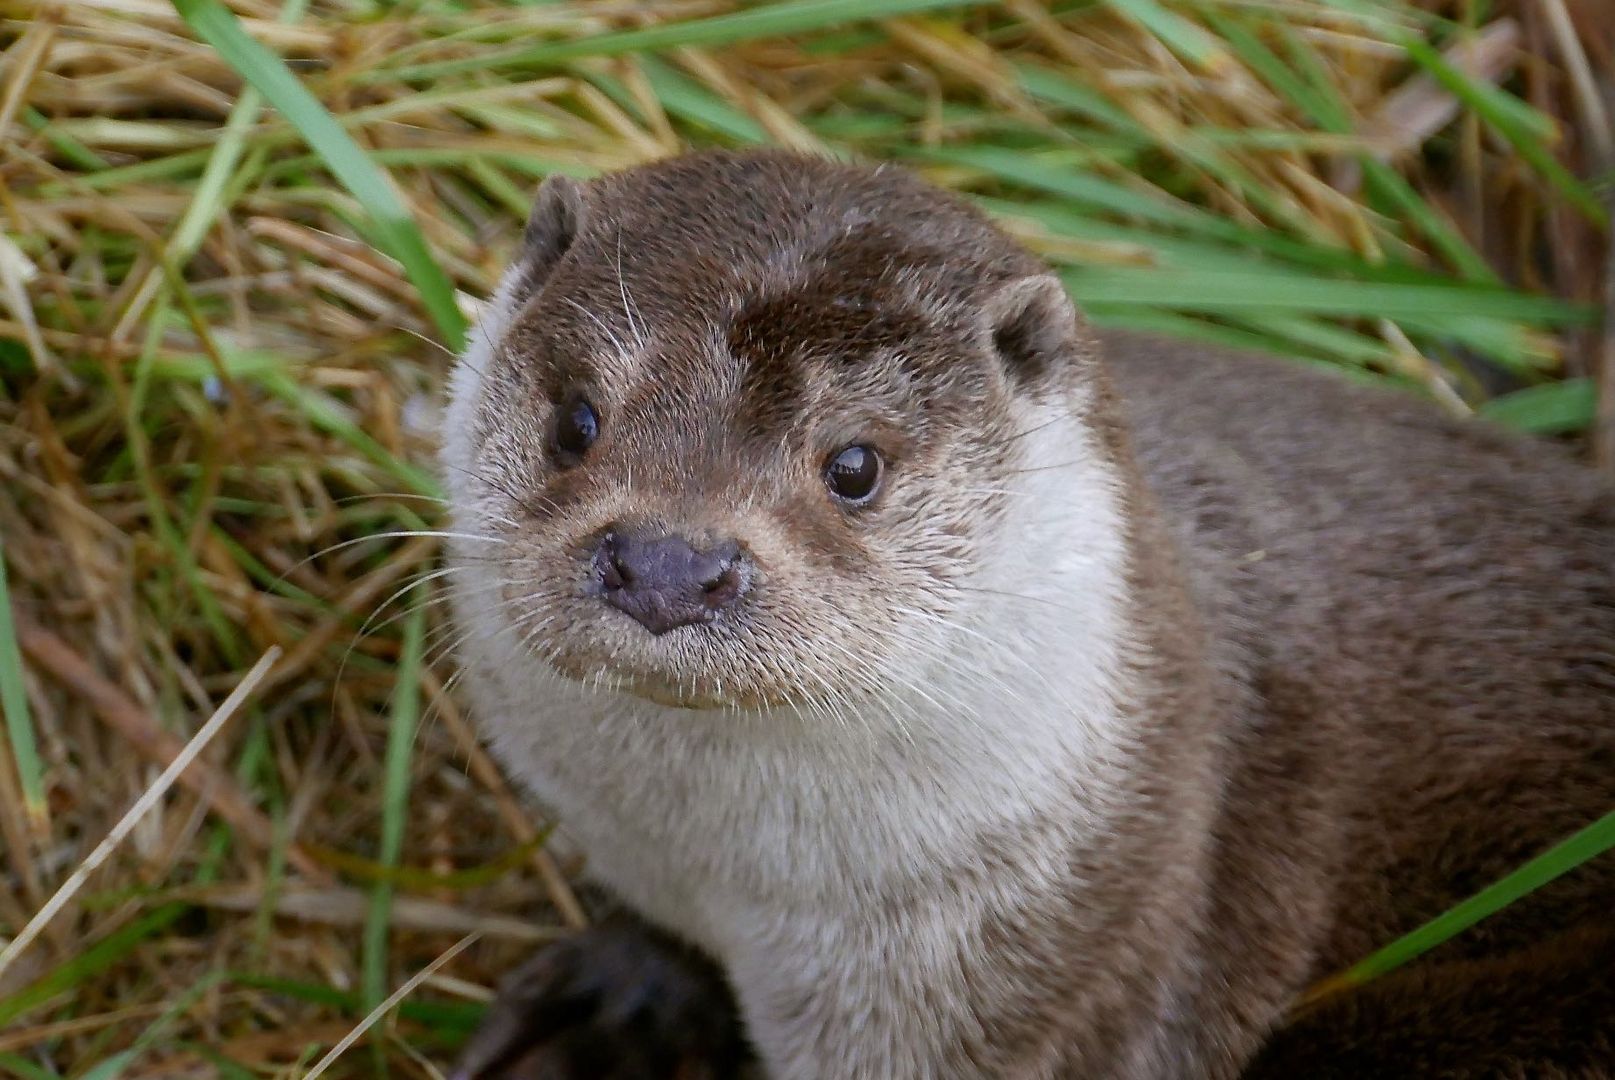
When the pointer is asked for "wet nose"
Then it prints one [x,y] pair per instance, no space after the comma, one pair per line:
[663,582]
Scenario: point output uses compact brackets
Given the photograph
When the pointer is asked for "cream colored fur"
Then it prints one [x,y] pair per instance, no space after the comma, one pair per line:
[767,838]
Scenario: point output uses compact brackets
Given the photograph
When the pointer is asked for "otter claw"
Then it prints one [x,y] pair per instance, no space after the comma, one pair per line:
[618,1001]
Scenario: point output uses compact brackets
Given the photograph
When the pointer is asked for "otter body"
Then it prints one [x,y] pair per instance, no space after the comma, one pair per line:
[973,695]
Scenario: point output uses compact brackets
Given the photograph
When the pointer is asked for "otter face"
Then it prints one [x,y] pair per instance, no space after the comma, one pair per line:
[726,458]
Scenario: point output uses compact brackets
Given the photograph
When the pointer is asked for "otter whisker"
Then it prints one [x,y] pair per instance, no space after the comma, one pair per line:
[869,682]
[1029,598]
[544,505]
[403,495]
[480,326]
[628,306]
[420,580]
[1001,491]
[611,335]
[440,645]
[1049,468]
[391,534]
[993,650]
[418,336]
[1059,417]
[403,534]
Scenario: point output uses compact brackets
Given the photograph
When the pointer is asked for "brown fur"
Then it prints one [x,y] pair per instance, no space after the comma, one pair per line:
[1419,617]
[1372,656]
[1543,1013]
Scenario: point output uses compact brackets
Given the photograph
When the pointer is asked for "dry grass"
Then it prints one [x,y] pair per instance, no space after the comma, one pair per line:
[217,404]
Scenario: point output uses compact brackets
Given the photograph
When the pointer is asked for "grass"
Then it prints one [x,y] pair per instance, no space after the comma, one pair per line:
[238,244]
[390,223]
[30,772]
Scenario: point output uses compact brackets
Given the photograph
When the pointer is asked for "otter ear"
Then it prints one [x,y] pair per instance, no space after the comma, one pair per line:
[555,221]
[1034,326]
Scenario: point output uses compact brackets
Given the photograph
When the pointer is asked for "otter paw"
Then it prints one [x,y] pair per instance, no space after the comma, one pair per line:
[622,1002]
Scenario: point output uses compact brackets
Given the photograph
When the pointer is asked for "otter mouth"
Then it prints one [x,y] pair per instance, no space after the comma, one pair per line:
[665,689]
[673,698]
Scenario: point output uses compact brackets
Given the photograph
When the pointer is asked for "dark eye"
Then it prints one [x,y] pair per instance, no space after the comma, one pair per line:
[576,428]
[852,474]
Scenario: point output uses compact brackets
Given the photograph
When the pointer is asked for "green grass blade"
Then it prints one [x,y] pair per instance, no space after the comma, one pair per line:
[396,230]
[21,1067]
[1550,409]
[1171,251]
[1058,88]
[1252,337]
[1329,340]
[1321,106]
[1156,321]
[462,1015]
[272,372]
[88,963]
[19,723]
[693,103]
[1084,189]
[225,1068]
[1304,80]
[69,147]
[1277,291]
[113,1067]
[1527,130]
[168,167]
[207,201]
[395,800]
[328,416]
[764,20]
[1137,202]
[1187,39]
[1392,191]
[1560,859]
[170,534]
[1509,343]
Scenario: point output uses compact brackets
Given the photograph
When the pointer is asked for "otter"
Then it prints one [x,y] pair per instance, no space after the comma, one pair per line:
[940,688]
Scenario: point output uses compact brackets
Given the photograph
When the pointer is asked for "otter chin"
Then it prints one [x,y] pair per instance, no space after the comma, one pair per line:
[1098,694]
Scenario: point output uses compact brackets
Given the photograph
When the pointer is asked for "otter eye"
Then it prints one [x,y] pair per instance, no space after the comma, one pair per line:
[852,474]
[576,428]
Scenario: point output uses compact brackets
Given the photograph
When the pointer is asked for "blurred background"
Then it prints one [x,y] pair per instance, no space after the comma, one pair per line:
[240,243]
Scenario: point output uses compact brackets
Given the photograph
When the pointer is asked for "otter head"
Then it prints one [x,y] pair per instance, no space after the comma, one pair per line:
[748,430]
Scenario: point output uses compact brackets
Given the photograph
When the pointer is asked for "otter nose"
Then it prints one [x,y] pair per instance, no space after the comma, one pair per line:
[663,582]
